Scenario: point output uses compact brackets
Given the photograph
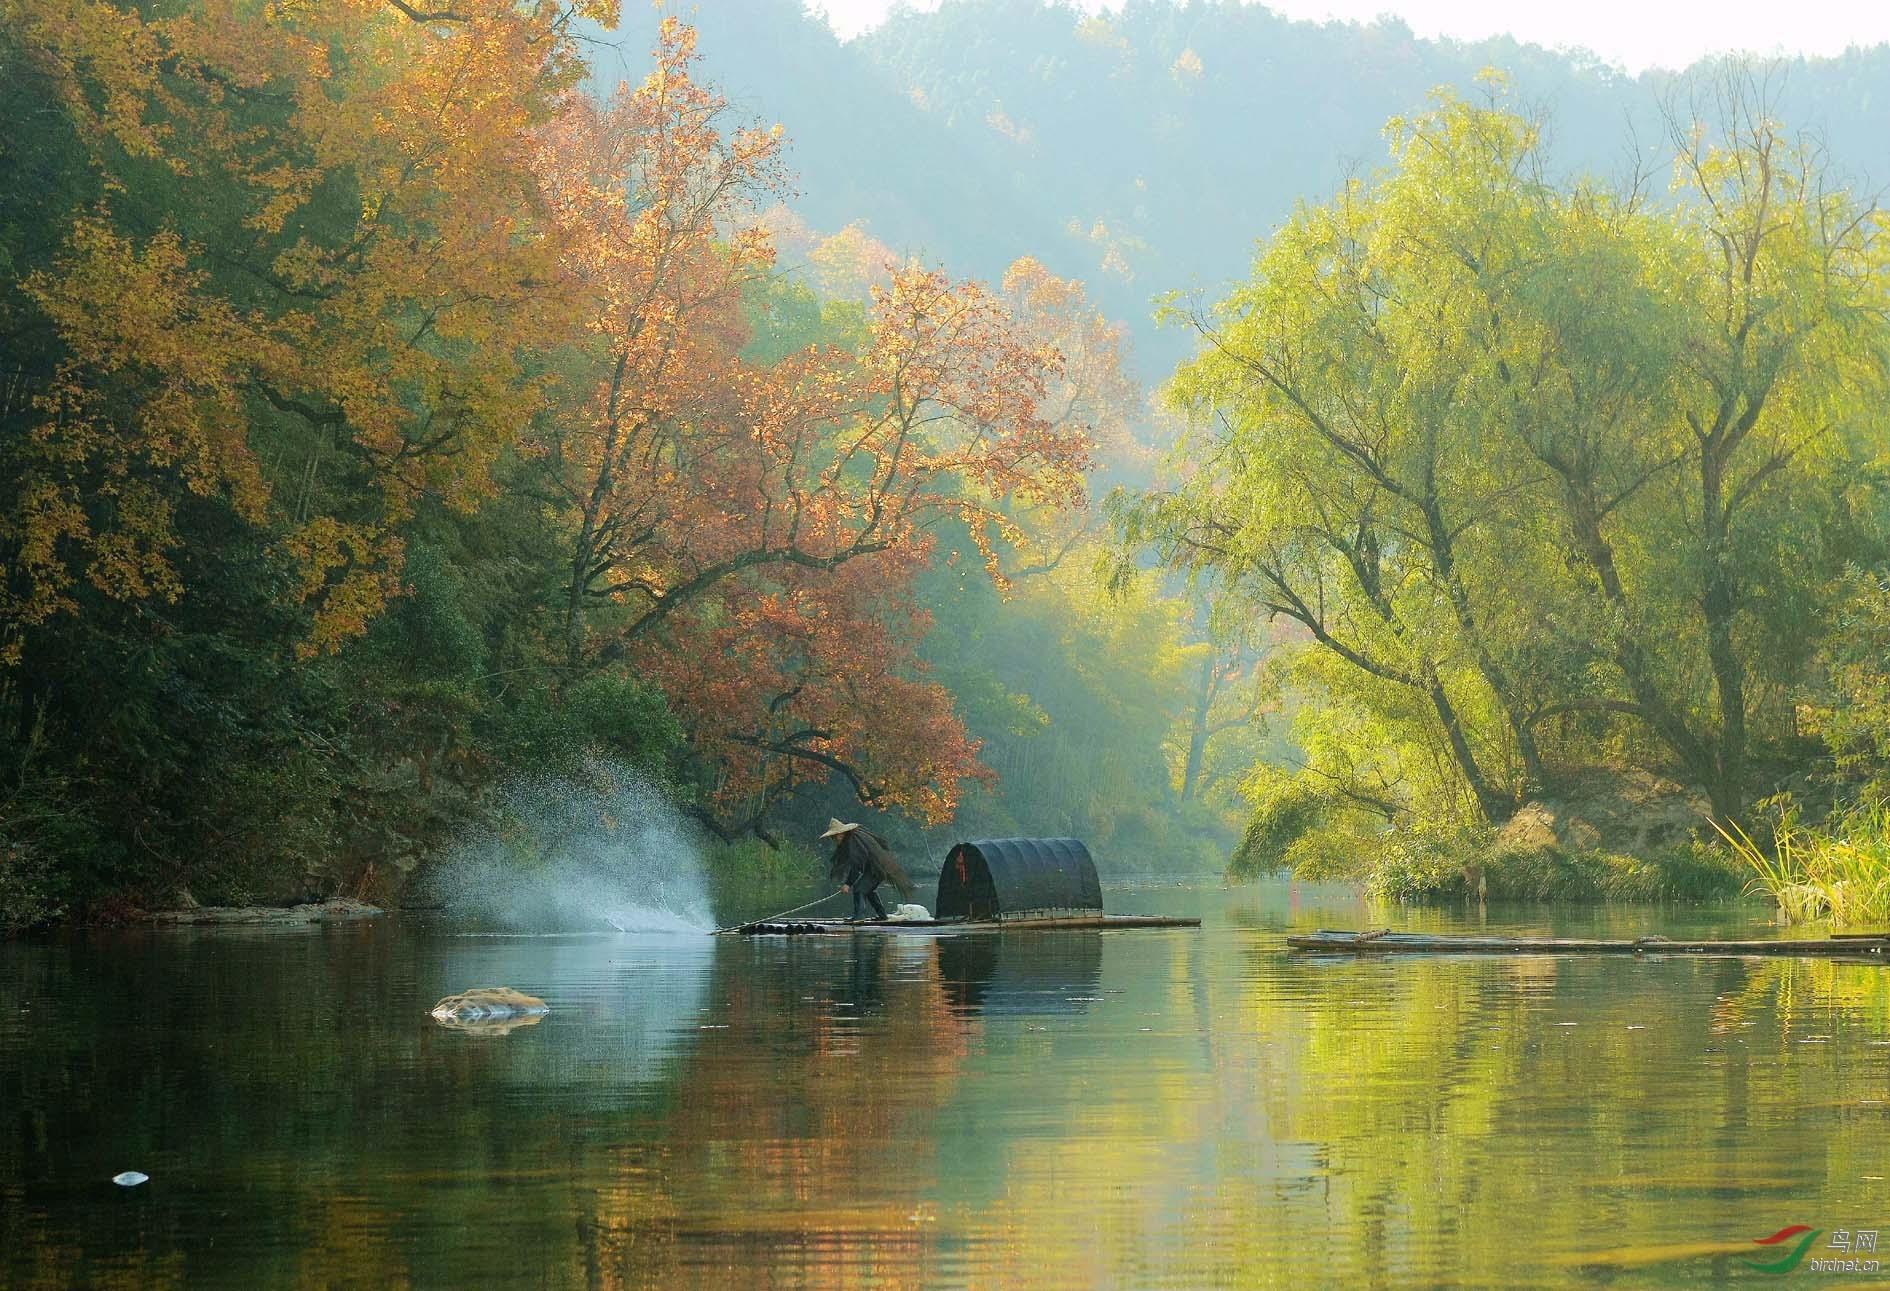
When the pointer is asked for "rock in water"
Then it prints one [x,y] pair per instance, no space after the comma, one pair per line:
[130,1179]
[490,1009]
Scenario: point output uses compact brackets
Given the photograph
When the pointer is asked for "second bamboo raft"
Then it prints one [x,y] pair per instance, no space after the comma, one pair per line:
[1383,941]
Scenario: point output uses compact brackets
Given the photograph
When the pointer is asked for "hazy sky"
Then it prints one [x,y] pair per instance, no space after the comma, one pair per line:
[1634,33]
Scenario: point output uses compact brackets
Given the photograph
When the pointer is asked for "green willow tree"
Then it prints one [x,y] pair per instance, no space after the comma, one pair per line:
[1541,468]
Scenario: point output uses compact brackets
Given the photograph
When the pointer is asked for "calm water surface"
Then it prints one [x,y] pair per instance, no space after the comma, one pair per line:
[1174,1108]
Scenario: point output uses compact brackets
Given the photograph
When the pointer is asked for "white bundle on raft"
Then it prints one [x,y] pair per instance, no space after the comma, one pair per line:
[909,913]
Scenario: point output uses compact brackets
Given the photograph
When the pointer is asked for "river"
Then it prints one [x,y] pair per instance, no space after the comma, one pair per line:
[1164,1108]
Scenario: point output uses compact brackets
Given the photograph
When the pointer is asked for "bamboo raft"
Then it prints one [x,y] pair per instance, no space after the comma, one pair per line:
[935,927]
[989,885]
[1383,941]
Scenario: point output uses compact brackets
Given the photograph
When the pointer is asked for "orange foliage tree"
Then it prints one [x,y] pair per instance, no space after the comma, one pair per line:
[826,508]
[313,240]
[747,533]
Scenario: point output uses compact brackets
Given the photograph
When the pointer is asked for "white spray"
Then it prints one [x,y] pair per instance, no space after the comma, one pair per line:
[604,850]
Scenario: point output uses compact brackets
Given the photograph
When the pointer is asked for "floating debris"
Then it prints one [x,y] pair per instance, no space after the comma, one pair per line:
[131,1179]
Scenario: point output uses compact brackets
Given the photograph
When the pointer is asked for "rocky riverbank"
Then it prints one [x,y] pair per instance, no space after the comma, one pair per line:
[340,910]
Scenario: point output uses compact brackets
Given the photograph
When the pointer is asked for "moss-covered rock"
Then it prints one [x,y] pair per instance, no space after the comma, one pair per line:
[1602,809]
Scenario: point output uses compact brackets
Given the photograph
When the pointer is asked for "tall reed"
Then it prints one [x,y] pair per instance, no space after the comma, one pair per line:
[1839,870]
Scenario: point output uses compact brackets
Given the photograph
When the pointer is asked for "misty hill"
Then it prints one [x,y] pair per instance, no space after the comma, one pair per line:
[1145,151]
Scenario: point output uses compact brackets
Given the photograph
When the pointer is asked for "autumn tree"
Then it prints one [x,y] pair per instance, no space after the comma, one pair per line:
[812,498]
[744,529]
[308,251]
[276,279]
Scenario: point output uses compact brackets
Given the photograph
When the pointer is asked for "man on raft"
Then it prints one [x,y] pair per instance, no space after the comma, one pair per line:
[861,862]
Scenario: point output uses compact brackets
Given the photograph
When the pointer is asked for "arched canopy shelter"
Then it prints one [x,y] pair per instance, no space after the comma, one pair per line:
[1018,878]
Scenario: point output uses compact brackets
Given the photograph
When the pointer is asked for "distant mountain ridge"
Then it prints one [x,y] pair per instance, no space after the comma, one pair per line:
[1145,151]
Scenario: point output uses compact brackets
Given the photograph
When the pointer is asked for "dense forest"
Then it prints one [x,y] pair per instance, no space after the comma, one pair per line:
[397,400]
[386,414]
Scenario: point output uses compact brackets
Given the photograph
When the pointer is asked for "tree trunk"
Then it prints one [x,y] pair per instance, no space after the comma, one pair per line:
[574,600]
[1198,728]
[1719,600]
[1493,806]
[1444,562]
[1631,658]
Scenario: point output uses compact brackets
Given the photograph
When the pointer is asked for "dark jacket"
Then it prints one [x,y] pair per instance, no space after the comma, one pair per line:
[861,860]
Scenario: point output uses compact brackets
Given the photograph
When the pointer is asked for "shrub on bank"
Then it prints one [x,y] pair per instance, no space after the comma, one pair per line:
[29,891]
[1431,869]
[1604,835]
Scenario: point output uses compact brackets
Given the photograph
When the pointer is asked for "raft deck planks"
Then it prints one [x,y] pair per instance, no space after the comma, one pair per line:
[937,926]
[1383,942]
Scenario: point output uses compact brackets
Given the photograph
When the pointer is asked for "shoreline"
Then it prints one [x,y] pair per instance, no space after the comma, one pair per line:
[307,914]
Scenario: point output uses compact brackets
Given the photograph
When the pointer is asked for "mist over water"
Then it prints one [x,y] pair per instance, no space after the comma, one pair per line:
[603,850]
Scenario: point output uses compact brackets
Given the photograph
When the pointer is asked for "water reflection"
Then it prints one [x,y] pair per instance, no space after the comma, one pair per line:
[1174,1107]
[1021,973]
[497,1026]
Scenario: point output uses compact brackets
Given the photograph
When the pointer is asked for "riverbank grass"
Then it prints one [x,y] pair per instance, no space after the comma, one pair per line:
[1839,870]
[748,878]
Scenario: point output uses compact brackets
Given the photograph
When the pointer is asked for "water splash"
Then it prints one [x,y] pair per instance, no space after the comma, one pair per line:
[602,850]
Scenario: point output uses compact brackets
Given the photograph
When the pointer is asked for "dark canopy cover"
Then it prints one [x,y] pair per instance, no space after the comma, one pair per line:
[1018,878]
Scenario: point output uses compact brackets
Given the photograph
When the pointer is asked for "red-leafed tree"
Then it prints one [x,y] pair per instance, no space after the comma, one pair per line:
[747,533]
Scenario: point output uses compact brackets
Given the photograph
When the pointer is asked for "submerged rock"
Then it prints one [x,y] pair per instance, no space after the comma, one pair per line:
[490,1010]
